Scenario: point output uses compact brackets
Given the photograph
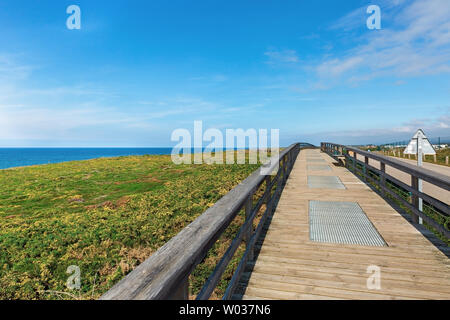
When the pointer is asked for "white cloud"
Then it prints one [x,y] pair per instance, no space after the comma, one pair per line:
[350,21]
[418,43]
[82,111]
[357,18]
[433,128]
[11,71]
[336,67]
[443,122]
[281,56]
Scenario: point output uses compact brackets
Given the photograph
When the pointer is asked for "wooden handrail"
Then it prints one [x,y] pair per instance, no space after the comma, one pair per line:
[432,177]
[164,275]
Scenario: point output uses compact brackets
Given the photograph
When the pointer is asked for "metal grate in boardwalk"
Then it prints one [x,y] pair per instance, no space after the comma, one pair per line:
[325,182]
[315,160]
[341,222]
[319,167]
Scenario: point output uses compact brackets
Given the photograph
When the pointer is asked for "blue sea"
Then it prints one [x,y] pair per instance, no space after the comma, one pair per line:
[19,157]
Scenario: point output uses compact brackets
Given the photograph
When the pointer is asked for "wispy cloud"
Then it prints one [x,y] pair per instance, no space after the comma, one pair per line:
[418,44]
[350,21]
[11,70]
[82,111]
[414,43]
[336,67]
[35,120]
[357,18]
[434,127]
[281,56]
[210,78]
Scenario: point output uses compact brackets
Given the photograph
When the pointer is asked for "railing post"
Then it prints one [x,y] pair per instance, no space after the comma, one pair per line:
[269,194]
[354,162]
[279,184]
[284,166]
[347,158]
[382,178]
[366,163]
[248,213]
[292,159]
[415,198]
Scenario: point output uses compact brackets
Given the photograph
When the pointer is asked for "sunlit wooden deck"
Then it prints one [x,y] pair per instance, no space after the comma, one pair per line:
[291,266]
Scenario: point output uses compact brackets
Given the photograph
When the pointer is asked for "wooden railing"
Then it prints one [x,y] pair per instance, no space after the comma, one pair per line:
[381,179]
[165,275]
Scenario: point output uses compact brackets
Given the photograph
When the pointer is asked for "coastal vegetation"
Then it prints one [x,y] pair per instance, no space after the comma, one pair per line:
[104,216]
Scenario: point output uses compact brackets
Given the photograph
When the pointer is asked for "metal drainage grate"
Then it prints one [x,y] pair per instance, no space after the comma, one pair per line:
[318,167]
[315,160]
[341,222]
[325,182]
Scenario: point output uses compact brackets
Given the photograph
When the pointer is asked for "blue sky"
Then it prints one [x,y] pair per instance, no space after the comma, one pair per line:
[137,70]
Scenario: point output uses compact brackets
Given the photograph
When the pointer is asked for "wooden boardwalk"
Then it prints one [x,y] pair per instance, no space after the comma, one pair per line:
[291,266]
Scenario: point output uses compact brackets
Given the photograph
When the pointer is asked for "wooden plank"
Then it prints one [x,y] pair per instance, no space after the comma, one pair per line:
[355,265]
[300,268]
[356,286]
[376,251]
[318,290]
[271,294]
[435,265]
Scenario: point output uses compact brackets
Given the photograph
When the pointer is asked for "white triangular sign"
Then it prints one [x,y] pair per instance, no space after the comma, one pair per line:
[427,148]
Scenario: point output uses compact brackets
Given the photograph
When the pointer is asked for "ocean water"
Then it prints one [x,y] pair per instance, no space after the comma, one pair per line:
[19,157]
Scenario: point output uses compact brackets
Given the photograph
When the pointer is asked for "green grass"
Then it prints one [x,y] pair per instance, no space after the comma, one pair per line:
[105,216]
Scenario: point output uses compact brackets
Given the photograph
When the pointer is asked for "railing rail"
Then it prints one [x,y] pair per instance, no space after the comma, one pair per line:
[165,274]
[416,173]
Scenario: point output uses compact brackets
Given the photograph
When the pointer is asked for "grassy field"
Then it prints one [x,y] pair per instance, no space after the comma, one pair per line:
[104,216]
